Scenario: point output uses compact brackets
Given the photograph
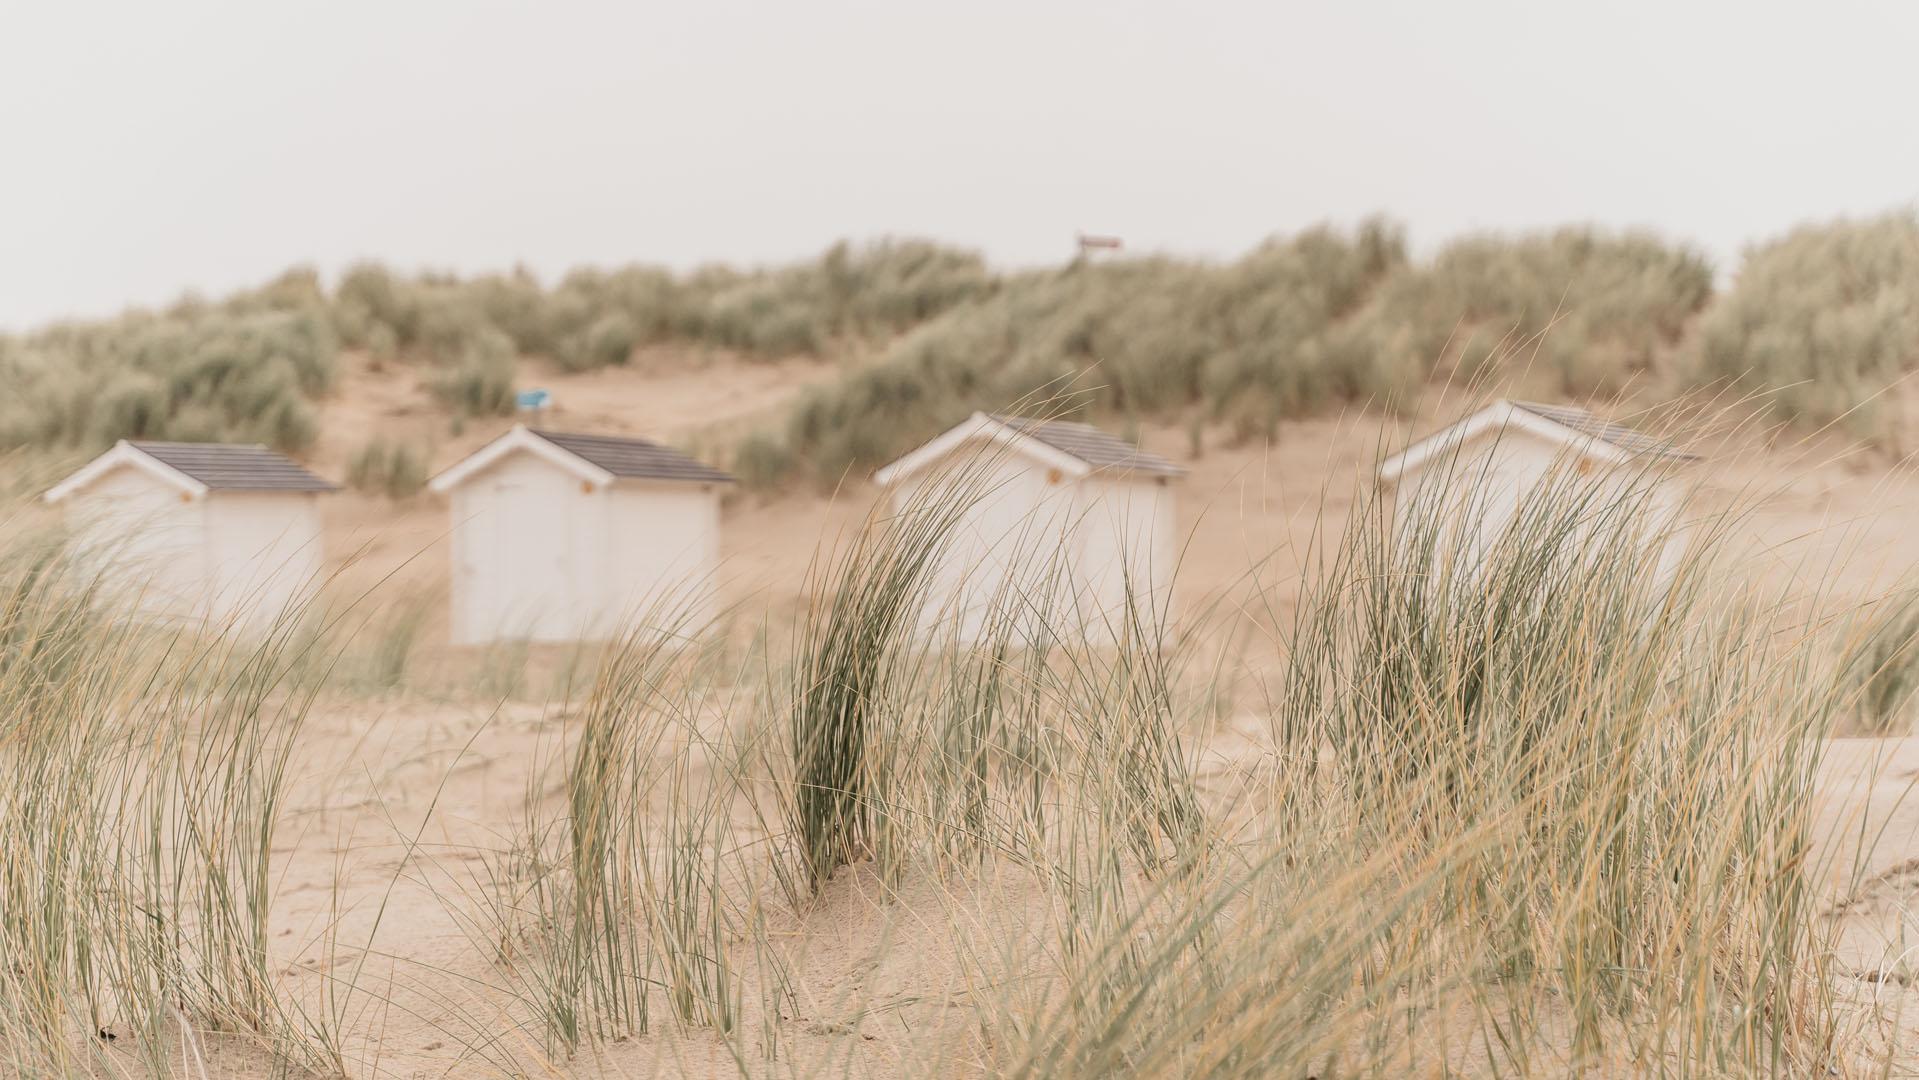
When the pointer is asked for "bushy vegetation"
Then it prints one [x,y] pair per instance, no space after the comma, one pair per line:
[597,318]
[480,381]
[1821,322]
[1297,325]
[1587,310]
[394,469]
[151,772]
[249,368]
[243,373]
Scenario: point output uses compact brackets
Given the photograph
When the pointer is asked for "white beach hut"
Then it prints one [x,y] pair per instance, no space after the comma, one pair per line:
[1065,522]
[226,533]
[562,537]
[1481,469]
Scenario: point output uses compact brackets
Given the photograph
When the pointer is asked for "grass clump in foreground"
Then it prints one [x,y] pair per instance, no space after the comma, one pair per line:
[148,771]
[1528,810]
[1884,666]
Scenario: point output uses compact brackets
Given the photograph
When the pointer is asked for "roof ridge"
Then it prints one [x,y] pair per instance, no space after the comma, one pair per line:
[176,442]
[1091,444]
[1583,421]
[231,466]
[631,456]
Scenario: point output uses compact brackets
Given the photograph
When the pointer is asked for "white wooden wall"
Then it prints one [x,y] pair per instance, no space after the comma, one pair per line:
[1043,548]
[237,560]
[1130,548]
[144,541]
[1482,487]
[266,556]
[538,556]
[516,553]
[664,550]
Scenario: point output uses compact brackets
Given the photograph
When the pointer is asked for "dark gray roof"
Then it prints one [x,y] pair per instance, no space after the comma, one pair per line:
[233,467]
[1627,439]
[1093,446]
[634,458]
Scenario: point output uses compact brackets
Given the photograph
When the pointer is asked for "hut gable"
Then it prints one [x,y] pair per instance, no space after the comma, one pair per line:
[1472,480]
[634,459]
[223,467]
[1077,449]
[1580,421]
[595,459]
[1567,429]
[1096,448]
[196,469]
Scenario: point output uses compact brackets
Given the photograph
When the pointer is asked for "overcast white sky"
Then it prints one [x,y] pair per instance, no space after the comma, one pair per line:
[149,149]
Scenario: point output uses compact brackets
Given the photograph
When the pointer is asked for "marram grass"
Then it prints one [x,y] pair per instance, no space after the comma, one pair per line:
[1536,807]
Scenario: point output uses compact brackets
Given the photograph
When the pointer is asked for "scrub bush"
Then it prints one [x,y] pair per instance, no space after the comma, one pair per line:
[1820,322]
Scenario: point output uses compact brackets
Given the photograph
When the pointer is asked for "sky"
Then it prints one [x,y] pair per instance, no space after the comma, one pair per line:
[151,149]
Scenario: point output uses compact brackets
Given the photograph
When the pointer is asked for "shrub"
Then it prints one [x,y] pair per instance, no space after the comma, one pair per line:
[1572,293]
[891,285]
[610,340]
[762,460]
[1136,336]
[768,316]
[214,375]
[515,305]
[452,325]
[397,470]
[1821,321]
[298,289]
[868,291]
[1295,326]
[368,295]
[481,384]
[650,299]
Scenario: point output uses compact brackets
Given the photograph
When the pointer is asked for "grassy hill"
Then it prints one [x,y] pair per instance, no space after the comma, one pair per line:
[1819,323]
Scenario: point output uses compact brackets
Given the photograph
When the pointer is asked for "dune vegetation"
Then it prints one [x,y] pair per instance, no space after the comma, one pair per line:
[1294,327]
[1561,820]
[1816,326]
[251,367]
[1823,322]
[394,469]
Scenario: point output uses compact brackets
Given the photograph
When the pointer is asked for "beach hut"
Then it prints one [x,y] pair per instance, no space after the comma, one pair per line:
[1480,470]
[1062,523]
[225,533]
[564,537]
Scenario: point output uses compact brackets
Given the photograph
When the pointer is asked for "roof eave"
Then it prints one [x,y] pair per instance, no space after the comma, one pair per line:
[517,439]
[979,425]
[1503,414]
[675,481]
[123,453]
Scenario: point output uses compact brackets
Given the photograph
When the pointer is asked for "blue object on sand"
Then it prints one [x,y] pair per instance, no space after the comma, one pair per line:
[532,400]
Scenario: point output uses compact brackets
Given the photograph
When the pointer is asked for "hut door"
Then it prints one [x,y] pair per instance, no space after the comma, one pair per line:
[522,585]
